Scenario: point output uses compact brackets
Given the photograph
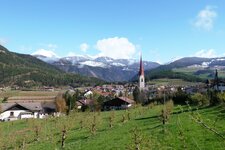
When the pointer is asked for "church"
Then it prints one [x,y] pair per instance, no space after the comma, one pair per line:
[141,80]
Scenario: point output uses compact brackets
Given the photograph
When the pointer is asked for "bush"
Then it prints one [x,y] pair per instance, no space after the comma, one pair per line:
[199,99]
[169,106]
[221,97]
[180,97]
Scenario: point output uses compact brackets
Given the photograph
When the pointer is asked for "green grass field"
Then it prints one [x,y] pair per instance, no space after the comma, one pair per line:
[176,82]
[12,93]
[191,71]
[180,132]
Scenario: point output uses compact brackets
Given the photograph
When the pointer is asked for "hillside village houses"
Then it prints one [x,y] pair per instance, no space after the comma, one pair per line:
[117,96]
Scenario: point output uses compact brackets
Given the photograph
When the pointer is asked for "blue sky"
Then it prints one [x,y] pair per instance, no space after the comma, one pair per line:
[162,29]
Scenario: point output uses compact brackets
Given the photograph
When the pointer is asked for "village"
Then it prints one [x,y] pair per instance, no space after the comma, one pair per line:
[99,98]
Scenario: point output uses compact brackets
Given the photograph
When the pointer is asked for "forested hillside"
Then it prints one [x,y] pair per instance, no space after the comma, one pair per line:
[26,70]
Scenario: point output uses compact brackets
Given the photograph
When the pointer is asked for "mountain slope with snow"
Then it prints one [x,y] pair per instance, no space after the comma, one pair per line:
[105,68]
[190,67]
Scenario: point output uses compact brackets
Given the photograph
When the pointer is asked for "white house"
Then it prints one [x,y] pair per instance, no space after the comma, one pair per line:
[88,93]
[15,111]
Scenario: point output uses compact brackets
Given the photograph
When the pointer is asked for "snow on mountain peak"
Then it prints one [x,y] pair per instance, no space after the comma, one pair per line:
[45,53]
[93,64]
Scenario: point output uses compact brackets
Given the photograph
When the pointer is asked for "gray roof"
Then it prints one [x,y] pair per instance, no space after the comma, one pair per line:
[51,105]
[30,106]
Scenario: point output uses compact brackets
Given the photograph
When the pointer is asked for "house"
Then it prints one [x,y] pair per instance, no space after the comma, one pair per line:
[85,103]
[118,103]
[15,111]
[88,93]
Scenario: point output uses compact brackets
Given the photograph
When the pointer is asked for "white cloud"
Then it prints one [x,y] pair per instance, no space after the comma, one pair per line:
[46,53]
[211,53]
[117,47]
[206,18]
[84,47]
[3,41]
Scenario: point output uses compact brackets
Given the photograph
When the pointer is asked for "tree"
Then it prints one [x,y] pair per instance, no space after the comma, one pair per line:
[61,104]
[221,97]
[120,94]
[199,99]
[70,101]
[180,97]
[213,97]
[137,95]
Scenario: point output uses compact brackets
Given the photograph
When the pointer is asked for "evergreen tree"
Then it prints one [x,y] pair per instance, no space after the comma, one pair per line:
[137,95]
[120,94]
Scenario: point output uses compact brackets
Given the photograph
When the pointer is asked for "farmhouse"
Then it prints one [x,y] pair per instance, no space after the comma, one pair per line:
[118,103]
[27,107]
[15,111]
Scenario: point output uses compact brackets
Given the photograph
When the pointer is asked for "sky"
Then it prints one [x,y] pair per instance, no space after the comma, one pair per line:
[164,30]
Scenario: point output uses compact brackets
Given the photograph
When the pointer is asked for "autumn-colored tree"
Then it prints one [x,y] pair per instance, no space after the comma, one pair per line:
[61,104]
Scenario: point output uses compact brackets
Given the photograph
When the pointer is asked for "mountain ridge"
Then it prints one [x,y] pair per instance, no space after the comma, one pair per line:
[26,70]
[190,69]
[105,68]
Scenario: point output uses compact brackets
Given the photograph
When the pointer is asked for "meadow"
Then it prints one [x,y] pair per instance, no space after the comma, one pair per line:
[172,82]
[136,128]
[12,93]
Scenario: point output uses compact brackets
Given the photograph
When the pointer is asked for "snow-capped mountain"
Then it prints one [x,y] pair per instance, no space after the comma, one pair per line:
[46,56]
[199,67]
[105,68]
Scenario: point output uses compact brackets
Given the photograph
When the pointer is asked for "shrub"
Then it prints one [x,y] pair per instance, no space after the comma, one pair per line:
[199,99]
[221,97]
[180,97]
[169,106]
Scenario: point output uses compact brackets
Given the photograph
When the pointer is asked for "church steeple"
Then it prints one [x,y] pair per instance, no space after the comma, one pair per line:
[141,70]
[141,81]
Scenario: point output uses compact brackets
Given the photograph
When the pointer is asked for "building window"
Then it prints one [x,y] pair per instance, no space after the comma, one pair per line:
[141,79]
[11,113]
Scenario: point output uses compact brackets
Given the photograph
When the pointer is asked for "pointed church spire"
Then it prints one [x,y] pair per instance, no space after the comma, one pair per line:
[141,81]
[141,71]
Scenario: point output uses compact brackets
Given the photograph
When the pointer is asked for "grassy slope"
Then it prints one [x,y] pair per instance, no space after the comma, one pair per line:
[180,131]
[13,93]
[177,82]
[191,71]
